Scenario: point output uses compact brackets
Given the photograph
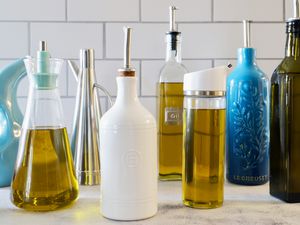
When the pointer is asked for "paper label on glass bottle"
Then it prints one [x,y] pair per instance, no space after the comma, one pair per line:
[173,115]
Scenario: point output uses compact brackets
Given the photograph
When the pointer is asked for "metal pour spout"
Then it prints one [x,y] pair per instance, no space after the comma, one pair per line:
[127,48]
[127,70]
[173,25]
[246,32]
[296,8]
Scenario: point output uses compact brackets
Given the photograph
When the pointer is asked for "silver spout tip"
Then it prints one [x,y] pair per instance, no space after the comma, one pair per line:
[296,9]
[43,46]
[172,10]
[246,33]
[127,48]
[87,58]
[173,7]
[127,29]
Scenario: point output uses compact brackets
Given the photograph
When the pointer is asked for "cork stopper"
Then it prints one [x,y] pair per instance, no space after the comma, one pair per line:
[127,70]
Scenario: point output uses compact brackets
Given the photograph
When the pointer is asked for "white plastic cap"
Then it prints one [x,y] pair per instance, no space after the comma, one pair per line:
[213,79]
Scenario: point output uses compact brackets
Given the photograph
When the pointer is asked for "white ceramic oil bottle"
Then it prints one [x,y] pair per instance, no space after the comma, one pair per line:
[128,151]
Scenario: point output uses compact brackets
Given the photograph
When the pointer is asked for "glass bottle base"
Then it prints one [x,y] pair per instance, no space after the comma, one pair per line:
[44,203]
[170,177]
[203,205]
[286,197]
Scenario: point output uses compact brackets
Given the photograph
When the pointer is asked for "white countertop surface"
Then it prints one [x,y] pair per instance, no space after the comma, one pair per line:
[242,205]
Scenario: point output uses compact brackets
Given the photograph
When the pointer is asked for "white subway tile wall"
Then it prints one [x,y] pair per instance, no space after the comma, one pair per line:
[236,10]
[211,32]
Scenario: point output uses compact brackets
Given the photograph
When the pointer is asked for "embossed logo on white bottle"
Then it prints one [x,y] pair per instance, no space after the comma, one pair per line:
[132,158]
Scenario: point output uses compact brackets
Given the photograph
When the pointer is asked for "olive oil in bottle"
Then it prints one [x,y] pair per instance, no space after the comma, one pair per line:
[44,177]
[203,176]
[170,130]
[170,101]
[285,118]
[204,138]
[47,162]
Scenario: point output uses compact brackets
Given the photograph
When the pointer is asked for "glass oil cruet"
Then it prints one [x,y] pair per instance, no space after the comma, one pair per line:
[170,106]
[44,177]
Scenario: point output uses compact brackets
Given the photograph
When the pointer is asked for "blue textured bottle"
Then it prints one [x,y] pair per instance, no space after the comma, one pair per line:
[247,138]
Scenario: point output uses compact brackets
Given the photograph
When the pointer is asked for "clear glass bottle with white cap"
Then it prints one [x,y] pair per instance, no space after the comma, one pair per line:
[204,138]
[170,104]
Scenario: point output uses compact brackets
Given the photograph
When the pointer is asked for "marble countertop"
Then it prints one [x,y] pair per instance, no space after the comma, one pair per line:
[242,206]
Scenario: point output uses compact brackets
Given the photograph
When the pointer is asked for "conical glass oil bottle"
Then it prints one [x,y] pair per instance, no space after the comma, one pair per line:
[170,106]
[285,118]
[44,177]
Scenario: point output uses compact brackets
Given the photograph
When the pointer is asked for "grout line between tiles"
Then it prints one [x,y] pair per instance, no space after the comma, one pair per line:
[213,63]
[67,79]
[283,7]
[29,38]
[140,80]
[104,40]
[212,10]
[137,22]
[140,10]
[160,59]
[66,10]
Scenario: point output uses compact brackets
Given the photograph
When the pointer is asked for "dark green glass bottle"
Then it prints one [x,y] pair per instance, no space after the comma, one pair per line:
[285,120]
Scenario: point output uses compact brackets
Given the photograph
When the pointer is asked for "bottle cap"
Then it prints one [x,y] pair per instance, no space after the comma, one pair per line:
[209,82]
[45,75]
[173,35]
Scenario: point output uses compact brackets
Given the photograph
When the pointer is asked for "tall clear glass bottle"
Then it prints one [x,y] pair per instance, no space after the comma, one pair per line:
[204,138]
[170,106]
[44,177]
[285,119]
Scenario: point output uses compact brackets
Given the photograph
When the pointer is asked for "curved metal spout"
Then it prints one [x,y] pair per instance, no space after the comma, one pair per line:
[101,88]
[74,69]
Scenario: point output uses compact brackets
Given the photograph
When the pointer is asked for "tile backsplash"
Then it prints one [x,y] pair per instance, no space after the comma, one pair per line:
[211,31]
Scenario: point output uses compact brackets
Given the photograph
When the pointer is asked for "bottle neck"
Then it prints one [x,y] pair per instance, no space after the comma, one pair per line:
[246,56]
[127,90]
[173,55]
[292,47]
[173,52]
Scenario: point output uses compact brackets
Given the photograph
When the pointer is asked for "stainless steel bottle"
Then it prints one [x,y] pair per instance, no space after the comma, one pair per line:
[85,136]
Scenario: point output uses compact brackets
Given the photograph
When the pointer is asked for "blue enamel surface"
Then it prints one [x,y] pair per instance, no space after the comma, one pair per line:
[10,119]
[247,134]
